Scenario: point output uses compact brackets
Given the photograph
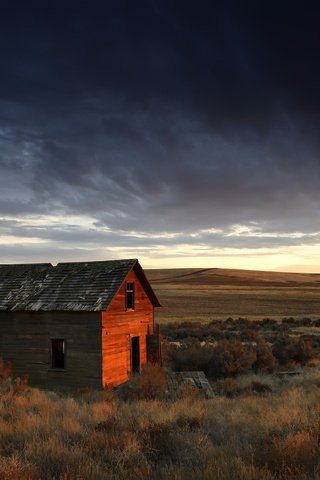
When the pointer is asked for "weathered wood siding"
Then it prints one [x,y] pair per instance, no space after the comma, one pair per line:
[118,327]
[25,342]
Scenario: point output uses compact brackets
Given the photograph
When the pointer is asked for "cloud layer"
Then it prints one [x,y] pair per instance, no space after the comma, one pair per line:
[158,128]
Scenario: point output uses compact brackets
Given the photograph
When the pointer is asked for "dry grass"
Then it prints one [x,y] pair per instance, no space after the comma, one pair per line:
[204,295]
[253,433]
[97,436]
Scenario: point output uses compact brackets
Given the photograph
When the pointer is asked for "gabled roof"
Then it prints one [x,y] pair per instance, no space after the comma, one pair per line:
[79,286]
[20,282]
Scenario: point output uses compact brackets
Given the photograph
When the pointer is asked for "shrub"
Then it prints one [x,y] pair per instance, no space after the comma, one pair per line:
[195,357]
[150,384]
[265,361]
[222,359]
[230,388]
[188,391]
[267,322]
[227,387]
[285,350]
[231,358]
[289,350]
[288,320]
[260,387]
[8,384]
[5,370]
[305,350]
[306,321]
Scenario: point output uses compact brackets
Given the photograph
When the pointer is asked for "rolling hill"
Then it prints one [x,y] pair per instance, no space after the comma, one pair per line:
[213,293]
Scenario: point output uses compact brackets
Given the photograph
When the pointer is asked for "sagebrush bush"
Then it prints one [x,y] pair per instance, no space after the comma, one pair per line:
[193,357]
[224,358]
[289,350]
[149,384]
[231,358]
[231,347]
[265,361]
[5,370]
[228,387]
[8,384]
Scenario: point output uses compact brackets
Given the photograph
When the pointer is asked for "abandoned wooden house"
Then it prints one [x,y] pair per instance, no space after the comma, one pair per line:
[76,324]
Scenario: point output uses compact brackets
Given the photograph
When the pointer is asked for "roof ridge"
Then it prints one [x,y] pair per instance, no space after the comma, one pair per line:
[61,287]
[13,265]
[100,262]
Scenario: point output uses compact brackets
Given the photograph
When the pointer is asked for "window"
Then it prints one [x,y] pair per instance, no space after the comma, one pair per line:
[57,353]
[130,296]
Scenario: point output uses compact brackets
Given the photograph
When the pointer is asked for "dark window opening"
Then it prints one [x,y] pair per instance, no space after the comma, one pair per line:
[130,296]
[57,353]
[135,354]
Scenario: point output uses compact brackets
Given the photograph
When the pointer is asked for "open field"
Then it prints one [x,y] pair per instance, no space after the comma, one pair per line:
[208,294]
[96,436]
[263,422]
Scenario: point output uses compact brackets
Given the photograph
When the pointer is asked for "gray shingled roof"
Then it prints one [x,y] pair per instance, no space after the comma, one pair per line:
[87,286]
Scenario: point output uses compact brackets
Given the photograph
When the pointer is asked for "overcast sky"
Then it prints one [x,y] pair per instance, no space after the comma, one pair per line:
[182,133]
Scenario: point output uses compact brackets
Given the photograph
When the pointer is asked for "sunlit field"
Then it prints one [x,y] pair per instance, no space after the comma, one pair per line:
[207,294]
[97,436]
[262,424]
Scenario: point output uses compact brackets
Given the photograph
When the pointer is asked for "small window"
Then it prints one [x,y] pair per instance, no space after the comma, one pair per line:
[130,296]
[57,353]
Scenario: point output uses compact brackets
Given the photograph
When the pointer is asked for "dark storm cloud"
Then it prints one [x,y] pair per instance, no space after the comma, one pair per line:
[230,64]
[161,117]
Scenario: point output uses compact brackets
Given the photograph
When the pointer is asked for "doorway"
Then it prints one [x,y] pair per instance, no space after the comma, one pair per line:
[135,354]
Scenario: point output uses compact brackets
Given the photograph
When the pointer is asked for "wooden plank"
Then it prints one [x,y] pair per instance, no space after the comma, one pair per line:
[98,345]
[25,341]
[118,327]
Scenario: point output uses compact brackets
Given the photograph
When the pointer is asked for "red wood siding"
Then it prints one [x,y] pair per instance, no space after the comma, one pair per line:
[118,327]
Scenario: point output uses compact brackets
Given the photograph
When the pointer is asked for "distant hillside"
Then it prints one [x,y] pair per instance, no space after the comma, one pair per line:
[221,276]
[205,294]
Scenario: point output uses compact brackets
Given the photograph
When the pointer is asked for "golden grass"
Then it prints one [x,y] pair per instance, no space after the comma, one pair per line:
[96,436]
[204,295]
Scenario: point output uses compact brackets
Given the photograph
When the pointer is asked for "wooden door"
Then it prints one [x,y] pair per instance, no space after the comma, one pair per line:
[135,354]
